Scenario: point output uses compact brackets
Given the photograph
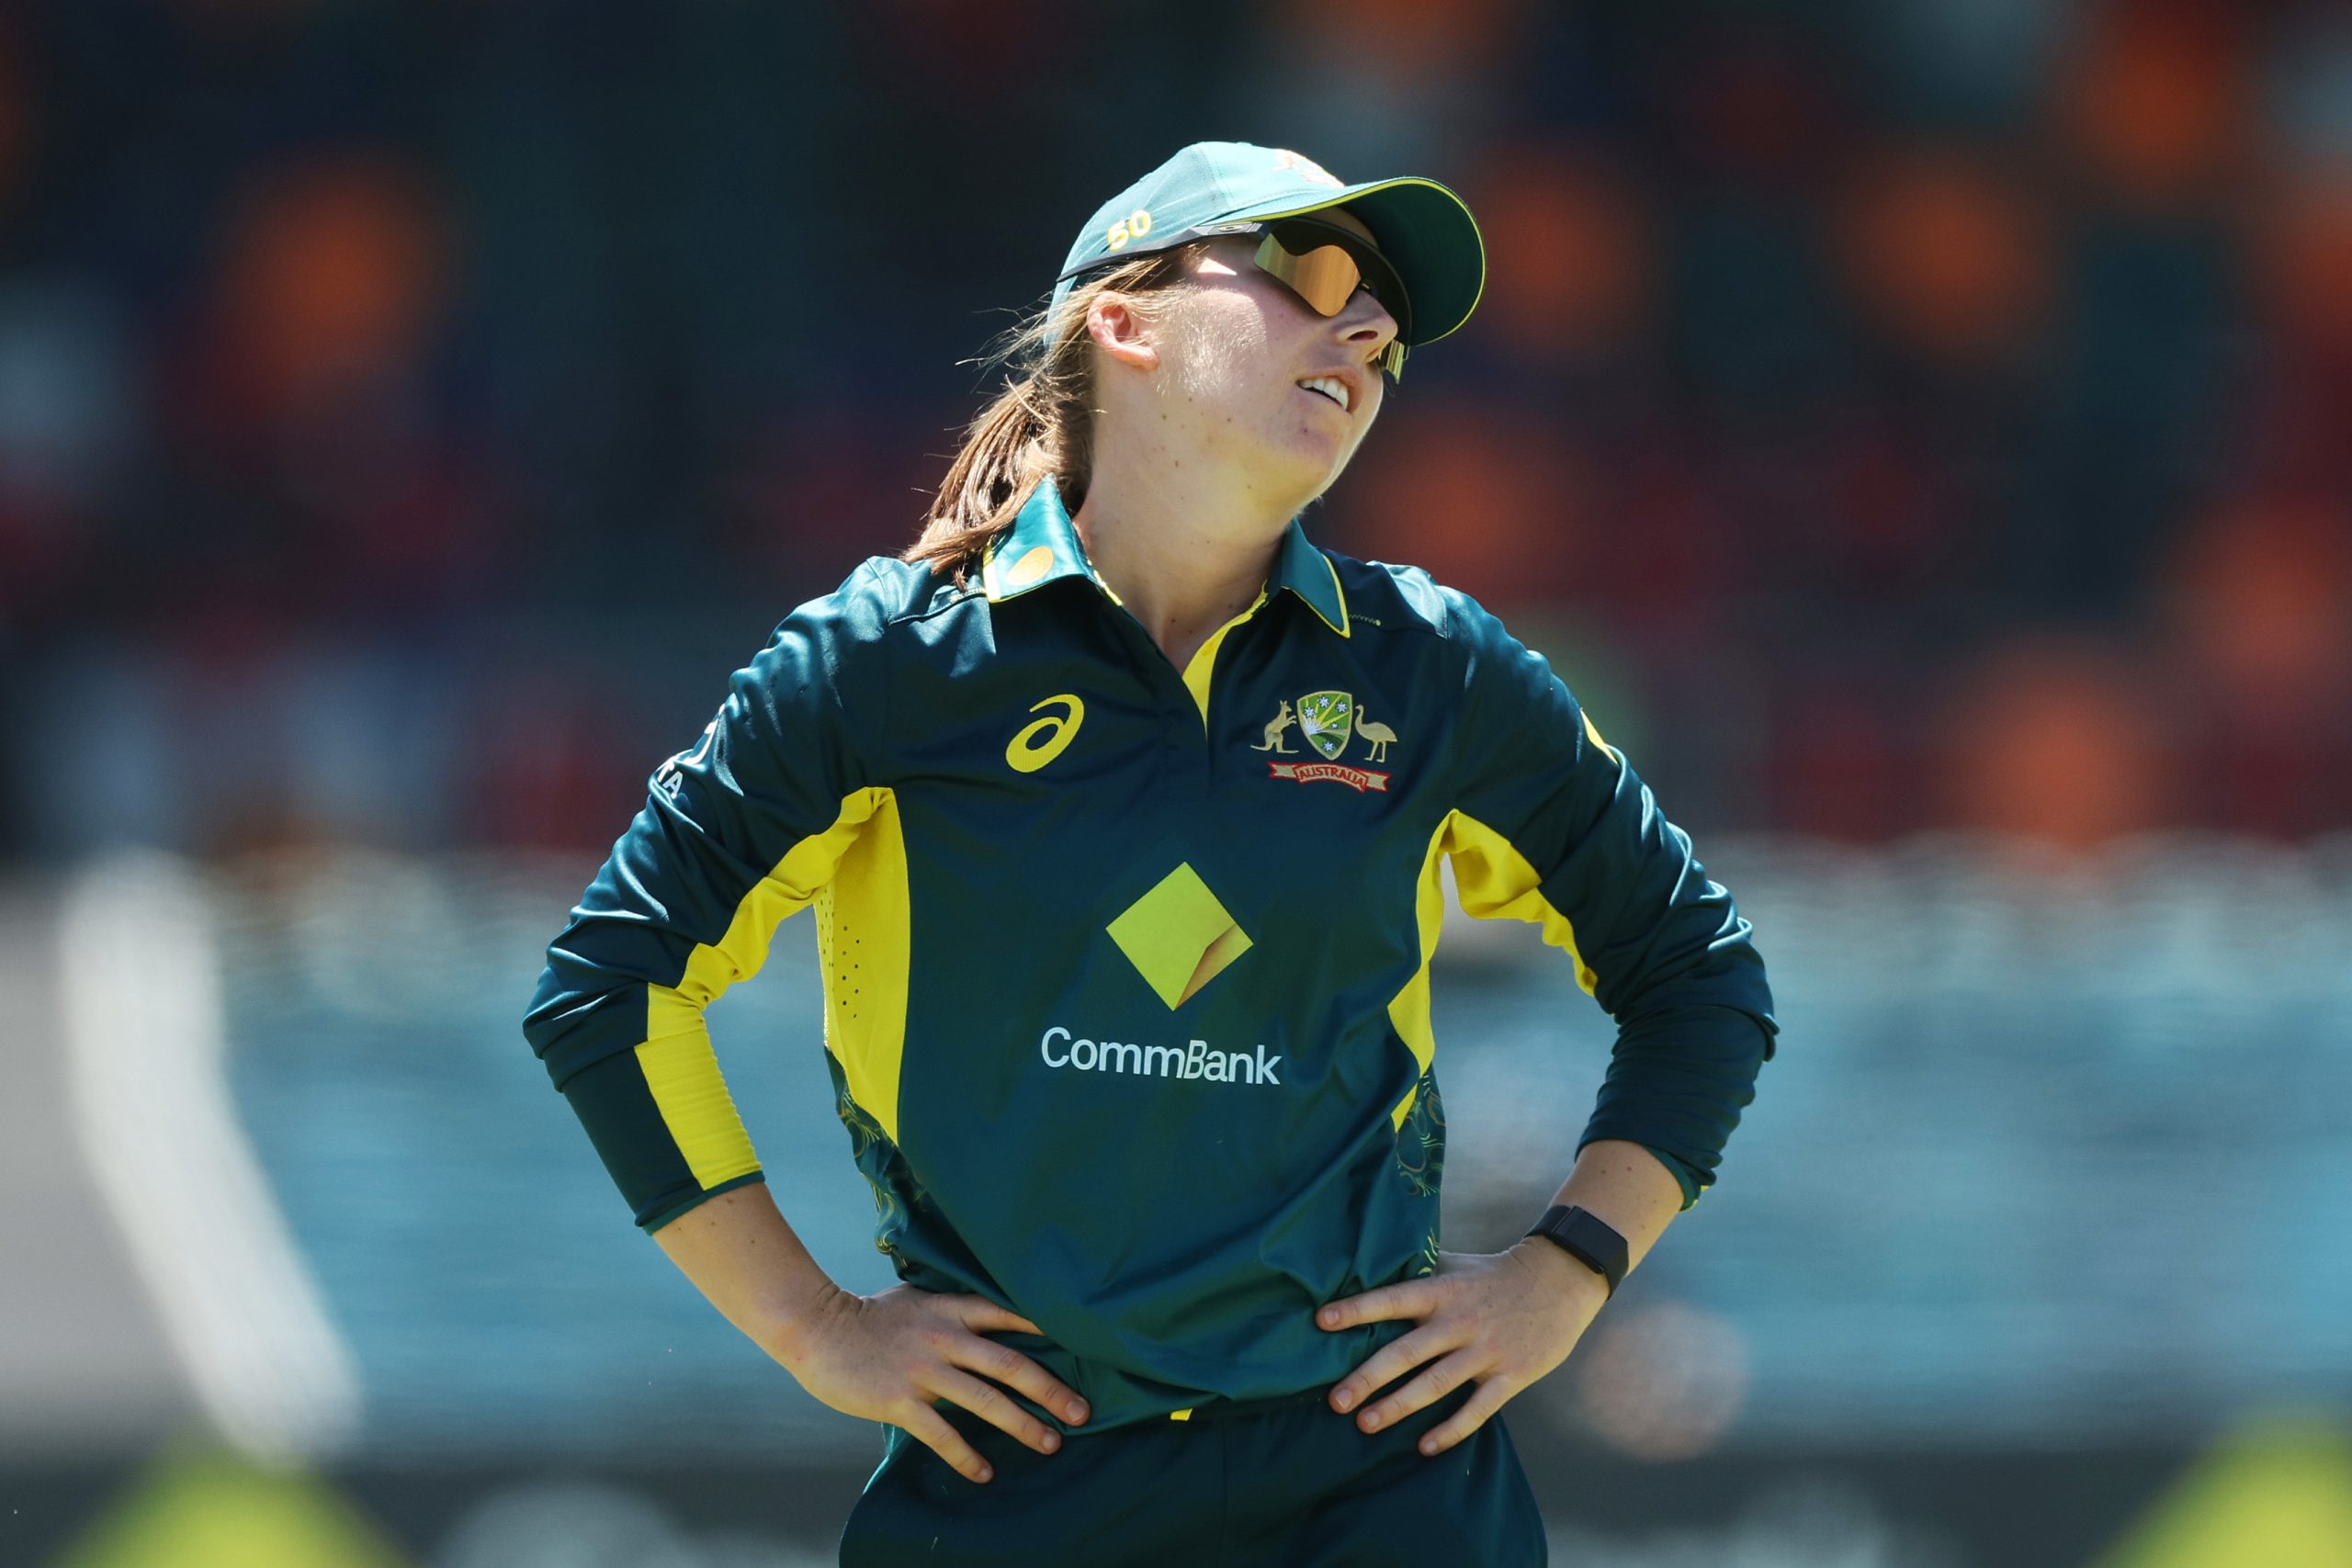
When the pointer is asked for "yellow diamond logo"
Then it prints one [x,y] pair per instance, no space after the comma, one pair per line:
[1179,936]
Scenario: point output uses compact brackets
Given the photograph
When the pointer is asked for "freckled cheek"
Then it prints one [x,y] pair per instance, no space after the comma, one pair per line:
[1233,364]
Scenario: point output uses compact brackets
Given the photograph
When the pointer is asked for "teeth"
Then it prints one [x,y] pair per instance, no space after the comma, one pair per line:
[1336,390]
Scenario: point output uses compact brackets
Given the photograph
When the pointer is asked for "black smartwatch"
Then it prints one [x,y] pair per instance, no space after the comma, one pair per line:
[1586,1237]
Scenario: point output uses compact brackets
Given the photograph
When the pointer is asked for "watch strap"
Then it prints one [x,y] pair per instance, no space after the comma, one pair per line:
[1587,1237]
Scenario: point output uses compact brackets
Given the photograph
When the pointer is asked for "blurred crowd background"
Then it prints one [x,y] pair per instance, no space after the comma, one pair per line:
[1919,430]
[1891,415]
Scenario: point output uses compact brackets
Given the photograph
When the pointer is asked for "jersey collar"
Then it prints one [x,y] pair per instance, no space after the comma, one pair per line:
[1043,545]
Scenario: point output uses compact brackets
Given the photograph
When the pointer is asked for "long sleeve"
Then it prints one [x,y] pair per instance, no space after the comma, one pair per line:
[738,831]
[1556,827]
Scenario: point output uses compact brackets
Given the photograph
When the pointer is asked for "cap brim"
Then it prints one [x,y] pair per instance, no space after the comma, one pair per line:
[1427,233]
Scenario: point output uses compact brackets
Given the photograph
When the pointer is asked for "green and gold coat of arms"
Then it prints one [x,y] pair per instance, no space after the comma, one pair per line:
[1327,719]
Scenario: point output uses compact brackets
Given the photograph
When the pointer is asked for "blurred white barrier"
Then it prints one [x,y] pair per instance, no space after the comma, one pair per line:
[139,993]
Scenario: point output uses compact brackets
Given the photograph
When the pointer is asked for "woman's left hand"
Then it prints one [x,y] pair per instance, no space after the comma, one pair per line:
[1504,1318]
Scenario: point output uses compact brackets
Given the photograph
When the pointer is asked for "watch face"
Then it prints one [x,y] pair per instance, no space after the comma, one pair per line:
[1589,1239]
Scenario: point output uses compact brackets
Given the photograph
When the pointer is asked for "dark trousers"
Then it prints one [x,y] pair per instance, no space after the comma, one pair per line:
[1286,1485]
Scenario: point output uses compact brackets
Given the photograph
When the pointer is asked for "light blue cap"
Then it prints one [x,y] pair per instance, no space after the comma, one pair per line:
[1424,230]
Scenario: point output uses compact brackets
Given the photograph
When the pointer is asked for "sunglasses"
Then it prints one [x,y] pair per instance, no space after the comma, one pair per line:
[1325,264]
[1319,262]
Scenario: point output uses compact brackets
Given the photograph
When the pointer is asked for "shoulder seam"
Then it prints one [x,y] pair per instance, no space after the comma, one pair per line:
[1384,573]
[875,571]
[925,612]
[923,608]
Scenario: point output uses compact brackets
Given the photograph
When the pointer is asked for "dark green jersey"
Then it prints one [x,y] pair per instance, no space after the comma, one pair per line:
[1126,968]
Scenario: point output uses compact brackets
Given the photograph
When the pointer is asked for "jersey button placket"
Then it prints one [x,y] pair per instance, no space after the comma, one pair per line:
[1184,760]
[1205,716]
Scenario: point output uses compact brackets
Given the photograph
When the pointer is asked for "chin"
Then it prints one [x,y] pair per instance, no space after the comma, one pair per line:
[1328,461]
[1309,471]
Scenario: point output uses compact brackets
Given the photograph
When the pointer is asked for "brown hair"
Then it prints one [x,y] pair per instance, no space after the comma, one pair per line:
[1043,423]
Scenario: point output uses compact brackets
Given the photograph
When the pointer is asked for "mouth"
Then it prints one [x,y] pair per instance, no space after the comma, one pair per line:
[1326,387]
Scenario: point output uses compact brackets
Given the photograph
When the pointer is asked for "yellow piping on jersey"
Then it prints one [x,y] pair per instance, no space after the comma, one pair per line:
[1204,664]
[1343,625]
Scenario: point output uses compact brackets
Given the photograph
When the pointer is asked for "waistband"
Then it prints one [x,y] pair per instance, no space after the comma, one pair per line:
[1222,1409]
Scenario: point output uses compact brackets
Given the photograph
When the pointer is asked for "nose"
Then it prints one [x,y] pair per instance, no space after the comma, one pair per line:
[1365,324]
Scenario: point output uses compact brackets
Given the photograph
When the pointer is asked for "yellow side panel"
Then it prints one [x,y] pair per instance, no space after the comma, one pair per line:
[1408,1011]
[676,1058]
[864,922]
[1495,881]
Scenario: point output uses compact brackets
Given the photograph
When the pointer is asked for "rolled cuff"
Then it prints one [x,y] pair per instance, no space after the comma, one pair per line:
[1678,1080]
[616,1106]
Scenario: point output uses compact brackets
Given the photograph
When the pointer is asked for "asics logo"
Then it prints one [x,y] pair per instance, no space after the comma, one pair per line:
[1042,741]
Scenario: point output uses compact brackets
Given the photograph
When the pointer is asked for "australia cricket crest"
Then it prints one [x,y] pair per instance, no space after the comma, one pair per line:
[1327,719]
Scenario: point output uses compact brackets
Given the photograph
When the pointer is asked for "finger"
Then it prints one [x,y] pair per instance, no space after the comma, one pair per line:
[978,1311]
[1407,1298]
[1393,1361]
[996,1407]
[1437,1379]
[932,1429]
[1490,1397]
[1009,1366]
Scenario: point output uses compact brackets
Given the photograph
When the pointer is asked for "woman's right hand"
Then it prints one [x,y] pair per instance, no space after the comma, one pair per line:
[885,1357]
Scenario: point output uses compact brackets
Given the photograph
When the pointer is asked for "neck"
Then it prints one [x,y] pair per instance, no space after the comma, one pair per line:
[1185,548]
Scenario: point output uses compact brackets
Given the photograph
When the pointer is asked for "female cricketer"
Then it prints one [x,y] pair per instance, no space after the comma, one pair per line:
[1123,809]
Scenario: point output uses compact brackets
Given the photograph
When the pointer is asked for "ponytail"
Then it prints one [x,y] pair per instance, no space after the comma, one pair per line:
[1043,423]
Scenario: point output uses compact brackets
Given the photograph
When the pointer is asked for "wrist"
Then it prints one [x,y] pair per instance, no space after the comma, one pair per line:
[1562,1270]
[1586,1237]
[790,1326]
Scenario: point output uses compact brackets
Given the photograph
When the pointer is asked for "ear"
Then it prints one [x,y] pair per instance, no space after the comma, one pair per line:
[1120,332]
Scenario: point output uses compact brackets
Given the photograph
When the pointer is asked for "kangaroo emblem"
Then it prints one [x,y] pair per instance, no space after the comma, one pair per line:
[1282,720]
[1380,735]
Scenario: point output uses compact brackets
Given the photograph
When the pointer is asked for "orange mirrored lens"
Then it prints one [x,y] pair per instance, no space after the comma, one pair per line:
[1326,276]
